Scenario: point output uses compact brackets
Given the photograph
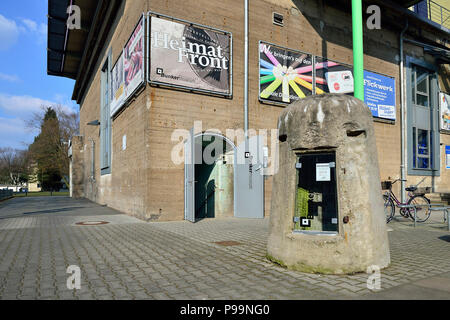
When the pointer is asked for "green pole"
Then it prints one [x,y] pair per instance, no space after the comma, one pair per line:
[358,51]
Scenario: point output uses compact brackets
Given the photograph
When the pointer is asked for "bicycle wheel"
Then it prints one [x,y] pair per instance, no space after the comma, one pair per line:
[422,212]
[389,208]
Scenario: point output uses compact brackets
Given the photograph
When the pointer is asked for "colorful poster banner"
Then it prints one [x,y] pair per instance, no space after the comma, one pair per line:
[189,56]
[379,95]
[333,77]
[444,113]
[117,86]
[133,60]
[285,75]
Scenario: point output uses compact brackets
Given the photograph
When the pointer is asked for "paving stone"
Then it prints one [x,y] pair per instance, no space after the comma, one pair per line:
[182,262]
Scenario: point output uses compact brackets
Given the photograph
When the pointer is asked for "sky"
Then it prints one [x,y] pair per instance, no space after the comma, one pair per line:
[24,83]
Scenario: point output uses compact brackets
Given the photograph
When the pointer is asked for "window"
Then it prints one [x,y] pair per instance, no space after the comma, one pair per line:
[105,122]
[420,86]
[421,149]
[423,142]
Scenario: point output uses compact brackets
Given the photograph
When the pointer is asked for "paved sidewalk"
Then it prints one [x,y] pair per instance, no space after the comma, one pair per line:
[131,259]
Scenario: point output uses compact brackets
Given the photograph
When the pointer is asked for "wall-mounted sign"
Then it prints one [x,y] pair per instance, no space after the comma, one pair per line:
[333,77]
[379,95]
[285,75]
[447,157]
[189,56]
[444,114]
[323,172]
[117,86]
[133,60]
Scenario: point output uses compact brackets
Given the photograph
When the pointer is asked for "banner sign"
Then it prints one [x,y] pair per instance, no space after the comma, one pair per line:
[444,114]
[285,75]
[333,77]
[379,95]
[117,86]
[447,157]
[189,56]
[133,60]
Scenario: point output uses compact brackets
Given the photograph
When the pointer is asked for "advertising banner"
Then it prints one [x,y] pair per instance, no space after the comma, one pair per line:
[285,75]
[133,60]
[447,157]
[444,114]
[117,86]
[379,95]
[190,57]
[333,77]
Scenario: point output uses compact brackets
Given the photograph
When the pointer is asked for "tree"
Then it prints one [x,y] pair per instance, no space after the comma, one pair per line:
[50,148]
[13,167]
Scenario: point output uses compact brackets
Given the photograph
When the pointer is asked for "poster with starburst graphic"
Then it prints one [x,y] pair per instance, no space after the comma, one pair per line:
[285,75]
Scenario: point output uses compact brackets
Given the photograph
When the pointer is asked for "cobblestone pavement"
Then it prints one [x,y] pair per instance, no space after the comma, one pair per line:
[131,259]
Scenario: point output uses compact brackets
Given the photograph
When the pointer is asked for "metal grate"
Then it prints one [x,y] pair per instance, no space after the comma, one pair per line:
[91,223]
[228,243]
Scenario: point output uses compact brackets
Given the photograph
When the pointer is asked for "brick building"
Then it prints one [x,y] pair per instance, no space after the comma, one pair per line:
[127,154]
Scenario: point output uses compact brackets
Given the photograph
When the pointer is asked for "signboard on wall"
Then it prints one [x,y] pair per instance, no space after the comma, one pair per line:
[133,60]
[444,114]
[379,95]
[285,75]
[117,86]
[333,77]
[189,56]
[447,157]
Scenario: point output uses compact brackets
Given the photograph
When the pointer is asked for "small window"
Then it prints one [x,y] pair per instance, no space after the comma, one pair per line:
[278,19]
[421,149]
[420,84]
[105,118]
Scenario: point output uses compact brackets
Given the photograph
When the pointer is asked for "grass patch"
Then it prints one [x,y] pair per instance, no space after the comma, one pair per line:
[40,194]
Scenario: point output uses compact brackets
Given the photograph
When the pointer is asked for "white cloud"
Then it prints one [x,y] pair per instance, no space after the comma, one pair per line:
[13,130]
[25,106]
[38,30]
[9,77]
[14,133]
[32,26]
[9,33]
[21,105]
[11,29]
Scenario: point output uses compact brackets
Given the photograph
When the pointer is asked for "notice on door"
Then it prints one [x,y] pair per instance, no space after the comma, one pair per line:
[323,172]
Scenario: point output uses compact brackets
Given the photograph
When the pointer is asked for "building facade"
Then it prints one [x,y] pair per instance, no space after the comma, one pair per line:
[135,123]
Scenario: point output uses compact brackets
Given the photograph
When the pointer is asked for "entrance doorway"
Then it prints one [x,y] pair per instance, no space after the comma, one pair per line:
[222,180]
[214,187]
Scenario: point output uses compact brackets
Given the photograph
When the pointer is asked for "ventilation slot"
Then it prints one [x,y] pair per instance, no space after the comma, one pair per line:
[278,19]
[356,133]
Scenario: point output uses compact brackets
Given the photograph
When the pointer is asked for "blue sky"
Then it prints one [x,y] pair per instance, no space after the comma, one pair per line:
[24,83]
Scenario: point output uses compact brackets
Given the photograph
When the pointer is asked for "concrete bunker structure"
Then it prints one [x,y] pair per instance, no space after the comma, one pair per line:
[327,209]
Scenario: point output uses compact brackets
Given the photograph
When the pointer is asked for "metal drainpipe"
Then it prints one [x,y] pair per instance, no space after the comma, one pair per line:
[402,118]
[246,71]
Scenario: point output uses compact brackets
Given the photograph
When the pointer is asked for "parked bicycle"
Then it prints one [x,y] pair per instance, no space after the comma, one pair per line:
[418,200]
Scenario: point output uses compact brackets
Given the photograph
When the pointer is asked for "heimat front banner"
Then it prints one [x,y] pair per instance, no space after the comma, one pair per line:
[189,56]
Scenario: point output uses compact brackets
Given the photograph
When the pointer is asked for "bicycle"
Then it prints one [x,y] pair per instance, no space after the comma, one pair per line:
[418,200]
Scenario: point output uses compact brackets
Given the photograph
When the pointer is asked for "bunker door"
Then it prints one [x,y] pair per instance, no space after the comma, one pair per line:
[189,177]
[316,207]
[249,179]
